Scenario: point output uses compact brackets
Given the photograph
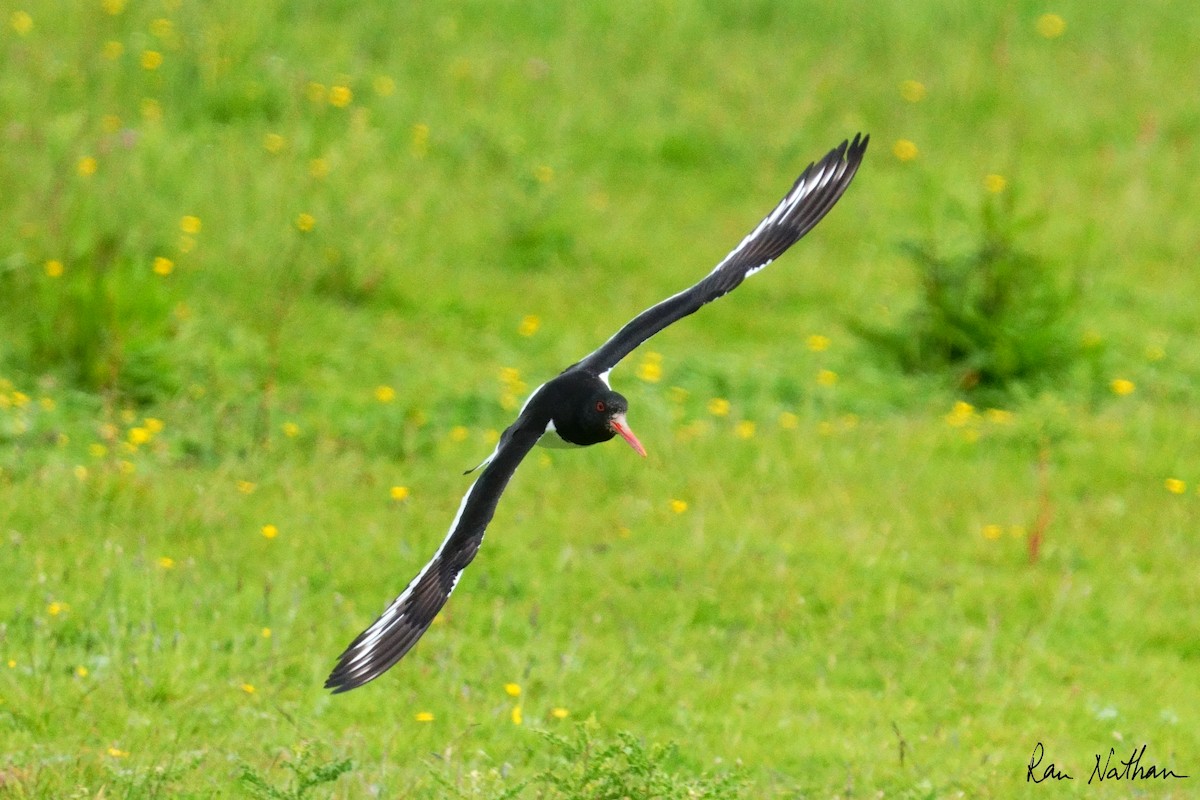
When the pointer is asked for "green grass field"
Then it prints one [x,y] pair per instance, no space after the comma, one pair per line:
[273,274]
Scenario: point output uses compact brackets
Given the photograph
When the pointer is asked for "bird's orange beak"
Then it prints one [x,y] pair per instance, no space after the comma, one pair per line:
[619,425]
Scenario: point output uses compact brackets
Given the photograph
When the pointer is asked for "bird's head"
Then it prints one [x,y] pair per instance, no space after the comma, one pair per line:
[604,414]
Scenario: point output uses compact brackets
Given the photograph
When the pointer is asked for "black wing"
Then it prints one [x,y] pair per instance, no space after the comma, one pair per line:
[400,626]
[814,193]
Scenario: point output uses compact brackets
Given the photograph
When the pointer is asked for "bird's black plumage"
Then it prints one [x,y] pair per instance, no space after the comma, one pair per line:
[580,408]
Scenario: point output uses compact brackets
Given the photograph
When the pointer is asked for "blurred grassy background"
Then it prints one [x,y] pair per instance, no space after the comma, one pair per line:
[272,275]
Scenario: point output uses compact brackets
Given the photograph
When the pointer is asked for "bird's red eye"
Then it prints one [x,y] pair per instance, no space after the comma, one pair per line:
[599,405]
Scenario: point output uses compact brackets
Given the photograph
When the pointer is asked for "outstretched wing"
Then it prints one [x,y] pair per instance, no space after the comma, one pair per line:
[814,193]
[400,626]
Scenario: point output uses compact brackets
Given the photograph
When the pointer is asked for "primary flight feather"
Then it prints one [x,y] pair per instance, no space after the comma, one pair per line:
[578,407]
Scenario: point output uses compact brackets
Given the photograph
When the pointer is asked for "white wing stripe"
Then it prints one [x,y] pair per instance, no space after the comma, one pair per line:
[785,207]
[389,618]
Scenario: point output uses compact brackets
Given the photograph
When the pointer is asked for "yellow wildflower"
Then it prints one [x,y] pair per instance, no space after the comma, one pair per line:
[112,50]
[744,429]
[817,343]
[459,433]
[530,324]
[117,752]
[678,506]
[424,716]
[246,487]
[649,371]
[385,394]
[248,688]
[516,715]
[993,531]
[153,424]
[21,22]
[265,633]
[998,416]
[273,143]
[163,266]
[559,713]
[788,420]
[55,608]
[904,150]
[166,562]
[54,268]
[81,472]
[650,367]
[305,222]
[1122,386]
[827,377]
[912,91]
[340,96]
[1176,486]
[97,450]
[512,689]
[151,60]
[960,414]
[994,184]
[138,436]
[86,166]
[113,7]
[81,671]
[290,430]
[1050,26]
[190,224]
[399,493]
[718,407]
[269,531]
[318,168]
[543,174]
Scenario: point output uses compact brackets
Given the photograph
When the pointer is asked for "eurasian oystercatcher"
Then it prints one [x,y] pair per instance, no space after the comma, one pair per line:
[578,408]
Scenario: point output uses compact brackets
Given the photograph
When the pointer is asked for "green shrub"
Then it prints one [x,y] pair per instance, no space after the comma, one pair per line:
[584,766]
[307,775]
[992,317]
[624,767]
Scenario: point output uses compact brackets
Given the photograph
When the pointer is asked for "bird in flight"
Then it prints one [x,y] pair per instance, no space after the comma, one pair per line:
[579,408]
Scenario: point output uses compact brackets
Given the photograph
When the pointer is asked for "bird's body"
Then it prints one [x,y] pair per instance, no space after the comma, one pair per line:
[579,408]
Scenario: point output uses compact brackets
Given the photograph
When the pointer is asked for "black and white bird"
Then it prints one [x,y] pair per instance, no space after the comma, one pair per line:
[579,407]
